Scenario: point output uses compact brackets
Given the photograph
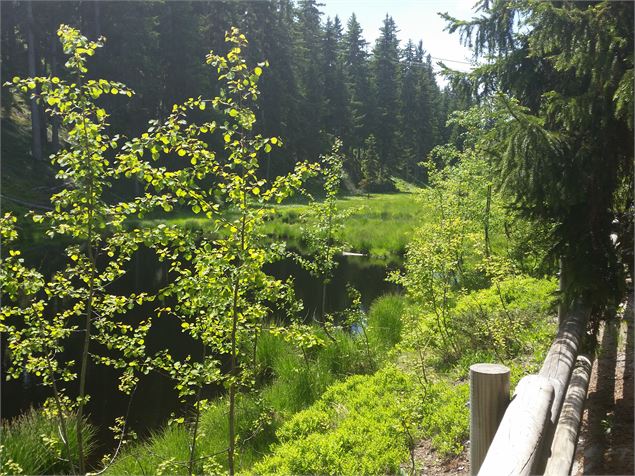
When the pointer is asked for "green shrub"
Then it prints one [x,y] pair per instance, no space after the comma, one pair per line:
[356,427]
[445,416]
[384,321]
[502,322]
[32,444]
[510,318]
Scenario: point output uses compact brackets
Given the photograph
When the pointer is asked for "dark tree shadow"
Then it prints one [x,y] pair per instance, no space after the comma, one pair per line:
[600,402]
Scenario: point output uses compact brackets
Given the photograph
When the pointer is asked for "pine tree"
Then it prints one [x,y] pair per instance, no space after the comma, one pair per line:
[387,80]
[357,71]
[565,149]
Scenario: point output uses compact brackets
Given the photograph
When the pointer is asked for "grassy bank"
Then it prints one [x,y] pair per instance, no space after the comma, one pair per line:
[31,444]
[289,381]
[380,225]
[370,424]
[347,407]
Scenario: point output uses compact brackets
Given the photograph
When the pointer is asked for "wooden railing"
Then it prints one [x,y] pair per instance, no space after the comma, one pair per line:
[534,436]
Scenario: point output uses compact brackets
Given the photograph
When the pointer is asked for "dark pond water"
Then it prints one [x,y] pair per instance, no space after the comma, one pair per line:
[154,400]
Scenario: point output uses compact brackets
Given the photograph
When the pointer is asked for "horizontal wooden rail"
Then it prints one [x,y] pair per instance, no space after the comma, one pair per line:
[566,436]
[522,443]
[517,441]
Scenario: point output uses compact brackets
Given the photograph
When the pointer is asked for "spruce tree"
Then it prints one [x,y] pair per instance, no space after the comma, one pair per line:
[336,113]
[357,71]
[387,81]
[565,149]
[309,60]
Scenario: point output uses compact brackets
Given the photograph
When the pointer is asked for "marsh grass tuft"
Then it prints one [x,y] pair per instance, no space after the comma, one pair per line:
[385,321]
[32,445]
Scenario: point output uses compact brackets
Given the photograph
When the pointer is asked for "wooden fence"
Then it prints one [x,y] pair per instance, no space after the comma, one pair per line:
[538,431]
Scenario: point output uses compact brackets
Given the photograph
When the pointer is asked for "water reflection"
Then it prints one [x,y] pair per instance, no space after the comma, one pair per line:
[154,400]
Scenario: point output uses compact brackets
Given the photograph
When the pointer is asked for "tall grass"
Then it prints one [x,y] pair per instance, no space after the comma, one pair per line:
[32,442]
[291,382]
[384,321]
[379,224]
[167,451]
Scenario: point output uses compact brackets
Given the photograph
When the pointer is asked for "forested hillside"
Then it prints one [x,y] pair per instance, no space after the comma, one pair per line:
[324,80]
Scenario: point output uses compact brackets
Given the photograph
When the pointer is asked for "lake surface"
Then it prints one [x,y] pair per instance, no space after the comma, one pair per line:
[154,400]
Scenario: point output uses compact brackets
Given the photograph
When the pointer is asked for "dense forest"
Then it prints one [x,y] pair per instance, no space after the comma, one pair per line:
[237,238]
[324,81]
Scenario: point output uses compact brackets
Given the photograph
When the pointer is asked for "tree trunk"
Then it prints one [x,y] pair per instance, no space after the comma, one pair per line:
[8,49]
[55,122]
[41,68]
[97,12]
[36,125]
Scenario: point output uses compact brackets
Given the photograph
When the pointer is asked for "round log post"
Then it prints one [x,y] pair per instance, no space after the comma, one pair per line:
[489,397]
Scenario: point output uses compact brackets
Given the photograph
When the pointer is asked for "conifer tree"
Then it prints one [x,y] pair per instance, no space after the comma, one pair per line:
[358,79]
[565,149]
[410,111]
[309,60]
[336,113]
[387,84]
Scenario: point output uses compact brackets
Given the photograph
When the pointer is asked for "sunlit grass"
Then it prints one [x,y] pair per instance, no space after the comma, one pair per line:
[33,444]
[380,225]
[291,382]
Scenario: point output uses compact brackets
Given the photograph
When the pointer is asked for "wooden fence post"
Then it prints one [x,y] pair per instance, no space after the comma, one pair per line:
[489,397]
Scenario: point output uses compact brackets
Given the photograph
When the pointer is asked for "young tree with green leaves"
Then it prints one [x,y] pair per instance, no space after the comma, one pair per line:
[100,245]
[471,240]
[323,224]
[33,341]
[225,297]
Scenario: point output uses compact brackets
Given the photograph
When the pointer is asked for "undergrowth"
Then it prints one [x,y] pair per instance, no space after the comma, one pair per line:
[31,444]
